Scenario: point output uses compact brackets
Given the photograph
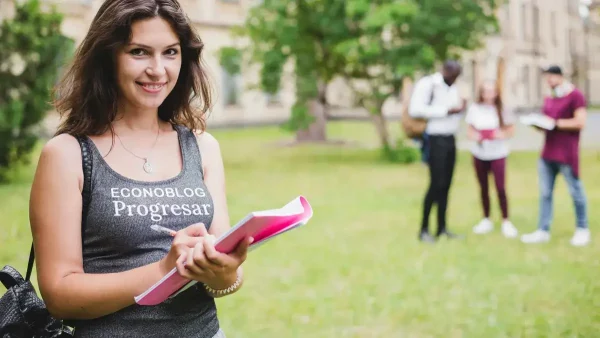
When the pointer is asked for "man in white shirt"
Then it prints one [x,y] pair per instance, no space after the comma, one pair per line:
[435,98]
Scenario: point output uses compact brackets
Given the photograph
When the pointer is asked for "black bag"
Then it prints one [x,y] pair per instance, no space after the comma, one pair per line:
[22,313]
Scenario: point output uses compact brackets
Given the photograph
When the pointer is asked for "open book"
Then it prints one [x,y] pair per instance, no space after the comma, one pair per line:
[261,225]
[538,120]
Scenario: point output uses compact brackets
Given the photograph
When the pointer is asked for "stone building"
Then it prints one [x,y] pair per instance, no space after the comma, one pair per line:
[533,33]
[234,103]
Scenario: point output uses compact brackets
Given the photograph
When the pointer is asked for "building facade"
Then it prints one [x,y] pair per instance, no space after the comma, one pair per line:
[534,33]
[234,102]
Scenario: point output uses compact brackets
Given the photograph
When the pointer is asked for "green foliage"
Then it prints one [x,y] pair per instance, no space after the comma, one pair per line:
[393,39]
[401,154]
[373,45]
[300,118]
[303,33]
[32,51]
[448,26]
[230,59]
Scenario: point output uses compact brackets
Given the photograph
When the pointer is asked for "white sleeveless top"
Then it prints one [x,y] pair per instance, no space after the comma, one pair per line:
[484,117]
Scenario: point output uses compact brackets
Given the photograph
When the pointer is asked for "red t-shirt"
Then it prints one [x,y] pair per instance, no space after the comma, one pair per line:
[563,146]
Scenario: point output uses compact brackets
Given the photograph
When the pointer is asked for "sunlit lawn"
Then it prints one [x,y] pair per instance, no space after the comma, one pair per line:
[356,270]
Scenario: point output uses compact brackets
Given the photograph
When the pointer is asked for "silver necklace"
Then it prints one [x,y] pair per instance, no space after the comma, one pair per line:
[147,166]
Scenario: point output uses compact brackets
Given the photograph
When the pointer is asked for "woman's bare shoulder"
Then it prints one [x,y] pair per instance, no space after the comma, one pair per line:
[62,156]
[64,147]
[210,151]
[208,144]
[206,139]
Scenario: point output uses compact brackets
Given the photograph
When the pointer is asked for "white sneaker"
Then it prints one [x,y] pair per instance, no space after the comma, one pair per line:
[538,236]
[581,237]
[509,230]
[483,227]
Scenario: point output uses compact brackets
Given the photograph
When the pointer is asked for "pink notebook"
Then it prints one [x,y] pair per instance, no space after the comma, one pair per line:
[487,134]
[261,225]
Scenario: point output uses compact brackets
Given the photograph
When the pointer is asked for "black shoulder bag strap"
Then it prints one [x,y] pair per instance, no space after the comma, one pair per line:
[432,93]
[86,162]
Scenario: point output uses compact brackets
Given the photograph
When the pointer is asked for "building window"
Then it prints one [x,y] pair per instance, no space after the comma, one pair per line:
[553,36]
[231,88]
[574,41]
[526,85]
[536,23]
[538,83]
[524,33]
[273,99]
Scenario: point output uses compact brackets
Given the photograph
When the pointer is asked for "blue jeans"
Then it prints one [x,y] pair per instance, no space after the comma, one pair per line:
[547,172]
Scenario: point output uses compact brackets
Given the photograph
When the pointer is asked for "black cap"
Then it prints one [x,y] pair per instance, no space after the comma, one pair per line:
[553,70]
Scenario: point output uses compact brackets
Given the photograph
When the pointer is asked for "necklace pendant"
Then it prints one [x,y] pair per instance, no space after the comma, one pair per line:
[147,166]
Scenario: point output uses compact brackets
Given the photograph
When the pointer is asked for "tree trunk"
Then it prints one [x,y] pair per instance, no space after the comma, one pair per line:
[382,130]
[317,108]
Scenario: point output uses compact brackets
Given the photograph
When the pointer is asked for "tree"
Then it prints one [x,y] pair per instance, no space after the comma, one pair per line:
[374,45]
[32,50]
[397,38]
[304,33]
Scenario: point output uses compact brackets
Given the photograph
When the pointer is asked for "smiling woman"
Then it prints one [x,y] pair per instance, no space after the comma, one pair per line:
[133,79]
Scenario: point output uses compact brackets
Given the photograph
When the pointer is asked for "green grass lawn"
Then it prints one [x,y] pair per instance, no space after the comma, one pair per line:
[357,270]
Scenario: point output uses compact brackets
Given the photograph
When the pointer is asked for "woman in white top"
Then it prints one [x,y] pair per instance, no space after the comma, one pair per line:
[489,127]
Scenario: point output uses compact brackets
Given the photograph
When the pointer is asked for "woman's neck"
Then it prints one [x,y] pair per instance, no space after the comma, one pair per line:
[136,120]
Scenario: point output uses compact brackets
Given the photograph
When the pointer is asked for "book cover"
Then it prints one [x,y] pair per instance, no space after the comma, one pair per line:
[261,225]
[487,134]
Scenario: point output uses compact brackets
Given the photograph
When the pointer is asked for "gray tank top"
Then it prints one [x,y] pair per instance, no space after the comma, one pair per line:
[117,237]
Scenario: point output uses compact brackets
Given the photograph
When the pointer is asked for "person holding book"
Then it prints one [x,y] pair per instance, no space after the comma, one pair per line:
[490,125]
[436,98]
[567,108]
[129,113]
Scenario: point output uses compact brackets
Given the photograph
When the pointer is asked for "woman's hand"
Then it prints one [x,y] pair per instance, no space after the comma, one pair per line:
[499,134]
[473,134]
[183,240]
[205,264]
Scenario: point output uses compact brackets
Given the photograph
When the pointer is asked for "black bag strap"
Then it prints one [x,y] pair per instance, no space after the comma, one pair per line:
[432,93]
[30,263]
[86,163]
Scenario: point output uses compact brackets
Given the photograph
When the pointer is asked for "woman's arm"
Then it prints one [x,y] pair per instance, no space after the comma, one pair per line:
[214,178]
[472,134]
[55,214]
[508,130]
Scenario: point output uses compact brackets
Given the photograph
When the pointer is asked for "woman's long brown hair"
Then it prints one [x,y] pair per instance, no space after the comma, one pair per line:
[88,92]
[497,102]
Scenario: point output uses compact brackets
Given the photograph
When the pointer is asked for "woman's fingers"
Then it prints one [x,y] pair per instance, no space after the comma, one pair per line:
[182,239]
[180,265]
[196,230]
[242,249]
[192,262]
[212,254]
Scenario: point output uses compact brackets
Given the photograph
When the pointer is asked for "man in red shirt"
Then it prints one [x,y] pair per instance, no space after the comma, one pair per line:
[567,107]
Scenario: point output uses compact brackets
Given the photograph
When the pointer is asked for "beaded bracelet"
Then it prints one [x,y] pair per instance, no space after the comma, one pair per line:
[228,290]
